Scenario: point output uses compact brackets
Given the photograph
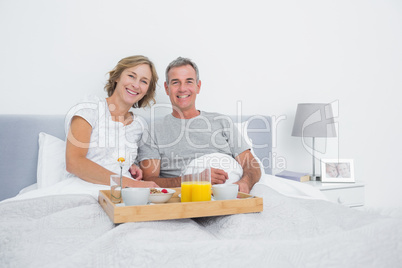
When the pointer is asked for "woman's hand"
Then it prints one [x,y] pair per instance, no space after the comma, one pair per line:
[135,172]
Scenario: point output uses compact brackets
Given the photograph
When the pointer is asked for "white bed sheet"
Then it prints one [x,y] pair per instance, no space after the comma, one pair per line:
[75,185]
[72,230]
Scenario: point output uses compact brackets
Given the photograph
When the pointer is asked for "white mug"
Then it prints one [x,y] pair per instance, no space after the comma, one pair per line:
[225,191]
[135,196]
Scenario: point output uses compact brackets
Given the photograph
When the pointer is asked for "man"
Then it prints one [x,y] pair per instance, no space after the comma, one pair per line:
[188,133]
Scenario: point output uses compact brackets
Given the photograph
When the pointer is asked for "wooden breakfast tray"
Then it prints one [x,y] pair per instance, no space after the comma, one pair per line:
[174,209]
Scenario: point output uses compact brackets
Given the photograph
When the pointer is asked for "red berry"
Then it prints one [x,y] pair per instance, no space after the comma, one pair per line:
[164,191]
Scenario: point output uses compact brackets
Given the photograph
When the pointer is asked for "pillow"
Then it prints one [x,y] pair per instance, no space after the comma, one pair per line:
[220,161]
[242,128]
[28,188]
[51,160]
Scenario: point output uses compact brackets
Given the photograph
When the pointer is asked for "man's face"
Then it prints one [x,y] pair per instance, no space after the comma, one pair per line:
[344,170]
[183,87]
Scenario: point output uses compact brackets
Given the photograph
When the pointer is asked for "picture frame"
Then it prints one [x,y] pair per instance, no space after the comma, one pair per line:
[337,170]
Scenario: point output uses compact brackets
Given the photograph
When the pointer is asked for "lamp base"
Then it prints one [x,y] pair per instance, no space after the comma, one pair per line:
[315,178]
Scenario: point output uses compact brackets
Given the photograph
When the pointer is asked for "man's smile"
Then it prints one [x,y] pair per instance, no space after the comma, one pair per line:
[183,96]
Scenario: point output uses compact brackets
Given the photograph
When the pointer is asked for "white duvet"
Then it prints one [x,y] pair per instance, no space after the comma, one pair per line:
[75,185]
[298,229]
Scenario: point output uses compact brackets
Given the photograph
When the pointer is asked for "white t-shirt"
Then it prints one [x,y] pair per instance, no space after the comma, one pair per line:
[109,139]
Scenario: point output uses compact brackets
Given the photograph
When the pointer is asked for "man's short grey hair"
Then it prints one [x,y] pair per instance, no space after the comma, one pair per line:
[182,62]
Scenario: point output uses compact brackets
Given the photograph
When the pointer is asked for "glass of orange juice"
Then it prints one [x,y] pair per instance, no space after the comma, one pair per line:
[196,184]
[201,190]
[186,187]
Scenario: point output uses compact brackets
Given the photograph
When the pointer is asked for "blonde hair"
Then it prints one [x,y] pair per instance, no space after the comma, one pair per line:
[130,62]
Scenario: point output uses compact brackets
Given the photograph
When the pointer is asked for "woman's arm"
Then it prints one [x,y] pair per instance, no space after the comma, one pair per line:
[77,163]
[151,170]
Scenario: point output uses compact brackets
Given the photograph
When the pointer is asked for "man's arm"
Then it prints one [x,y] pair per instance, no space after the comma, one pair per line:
[251,171]
[150,172]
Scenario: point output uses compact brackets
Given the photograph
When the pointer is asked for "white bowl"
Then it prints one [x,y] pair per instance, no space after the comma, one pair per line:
[135,196]
[225,191]
[162,197]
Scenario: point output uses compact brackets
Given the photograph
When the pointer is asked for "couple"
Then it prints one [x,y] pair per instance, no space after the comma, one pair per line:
[96,127]
[340,170]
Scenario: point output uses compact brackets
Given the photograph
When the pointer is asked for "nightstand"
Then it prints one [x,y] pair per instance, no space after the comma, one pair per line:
[348,194]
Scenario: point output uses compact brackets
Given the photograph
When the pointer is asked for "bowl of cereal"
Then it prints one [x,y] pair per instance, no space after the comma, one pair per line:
[160,195]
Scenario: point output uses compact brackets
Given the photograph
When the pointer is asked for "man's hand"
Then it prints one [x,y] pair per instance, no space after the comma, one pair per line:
[218,176]
[243,187]
[135,172]
[251,171]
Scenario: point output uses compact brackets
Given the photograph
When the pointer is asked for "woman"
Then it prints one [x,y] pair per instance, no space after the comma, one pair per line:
[332,171]
[103,130]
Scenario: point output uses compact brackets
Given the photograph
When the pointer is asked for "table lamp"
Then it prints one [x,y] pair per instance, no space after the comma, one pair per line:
[314,120]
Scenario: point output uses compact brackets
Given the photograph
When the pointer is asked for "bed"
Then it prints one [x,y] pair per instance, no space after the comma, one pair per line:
[49,219]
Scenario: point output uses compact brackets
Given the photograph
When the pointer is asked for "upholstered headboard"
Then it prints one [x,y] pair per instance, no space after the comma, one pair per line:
[19,146]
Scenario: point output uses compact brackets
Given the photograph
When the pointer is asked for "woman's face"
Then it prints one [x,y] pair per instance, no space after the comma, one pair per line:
[133,83]
[331,171]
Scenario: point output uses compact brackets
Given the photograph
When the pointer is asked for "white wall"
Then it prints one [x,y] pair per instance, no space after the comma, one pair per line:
[266,56]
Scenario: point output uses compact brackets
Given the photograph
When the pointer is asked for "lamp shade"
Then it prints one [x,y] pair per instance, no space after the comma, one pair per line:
[314,120]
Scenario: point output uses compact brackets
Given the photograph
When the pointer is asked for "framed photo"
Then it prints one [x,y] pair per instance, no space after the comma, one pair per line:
[337,170]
